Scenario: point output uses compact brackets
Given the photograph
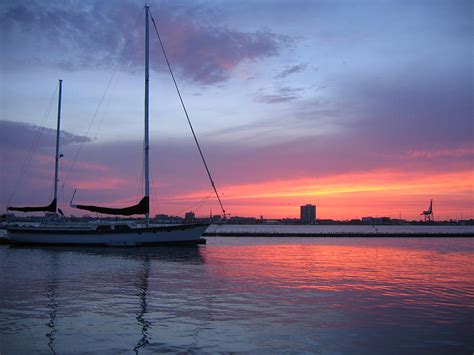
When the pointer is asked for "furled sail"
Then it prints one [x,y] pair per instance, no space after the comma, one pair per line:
[50,208]
[141,208]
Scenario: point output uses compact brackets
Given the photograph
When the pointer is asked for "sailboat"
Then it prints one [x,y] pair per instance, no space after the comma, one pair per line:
[110,234]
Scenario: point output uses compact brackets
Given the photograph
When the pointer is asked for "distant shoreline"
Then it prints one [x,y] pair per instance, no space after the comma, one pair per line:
[338,231]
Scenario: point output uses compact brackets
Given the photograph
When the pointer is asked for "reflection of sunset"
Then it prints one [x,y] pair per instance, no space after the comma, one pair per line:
[401,275]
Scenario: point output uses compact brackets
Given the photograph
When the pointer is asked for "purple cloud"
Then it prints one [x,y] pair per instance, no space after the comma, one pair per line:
[22,134]
[92,35]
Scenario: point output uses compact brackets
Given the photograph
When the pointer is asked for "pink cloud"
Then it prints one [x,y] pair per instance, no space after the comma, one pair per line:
[458,152]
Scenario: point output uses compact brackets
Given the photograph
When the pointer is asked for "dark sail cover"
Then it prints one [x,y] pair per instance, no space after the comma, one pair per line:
[50,208]
[141,208]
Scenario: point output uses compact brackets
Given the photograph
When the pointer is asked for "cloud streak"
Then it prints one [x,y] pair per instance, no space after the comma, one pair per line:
[283,94]
[298,68]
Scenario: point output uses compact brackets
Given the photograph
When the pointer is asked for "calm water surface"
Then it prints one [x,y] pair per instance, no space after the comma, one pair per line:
[327,295]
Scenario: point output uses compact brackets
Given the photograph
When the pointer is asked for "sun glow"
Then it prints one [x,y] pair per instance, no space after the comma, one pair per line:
[387,193]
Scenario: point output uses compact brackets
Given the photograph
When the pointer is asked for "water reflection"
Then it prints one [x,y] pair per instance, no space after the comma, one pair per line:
[418,281]
[268,296]
[142,288]
[96,285]
[186,254]
[52,304]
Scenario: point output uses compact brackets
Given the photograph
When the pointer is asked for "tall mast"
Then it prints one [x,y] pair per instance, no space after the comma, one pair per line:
[57,157]
[146,140]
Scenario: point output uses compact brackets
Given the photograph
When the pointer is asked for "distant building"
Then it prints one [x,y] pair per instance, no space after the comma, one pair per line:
[216,218]
[308,214]
[367,220]
[376,220]
[189,217]
[242,220]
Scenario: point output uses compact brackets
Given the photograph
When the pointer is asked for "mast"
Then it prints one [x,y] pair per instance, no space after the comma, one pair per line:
[56,160]
[146,140]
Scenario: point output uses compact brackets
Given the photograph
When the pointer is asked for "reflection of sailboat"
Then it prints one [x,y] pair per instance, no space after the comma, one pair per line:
[142,287]
[120,234]
[52,304]
[167,254]
[67,296]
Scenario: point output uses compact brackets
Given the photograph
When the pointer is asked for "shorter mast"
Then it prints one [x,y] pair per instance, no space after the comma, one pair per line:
[53,206]
[58,156]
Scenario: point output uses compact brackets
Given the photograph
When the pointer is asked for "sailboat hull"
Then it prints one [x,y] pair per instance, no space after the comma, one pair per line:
[108,235]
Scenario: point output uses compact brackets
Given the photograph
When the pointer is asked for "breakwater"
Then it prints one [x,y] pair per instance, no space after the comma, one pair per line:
[338,231]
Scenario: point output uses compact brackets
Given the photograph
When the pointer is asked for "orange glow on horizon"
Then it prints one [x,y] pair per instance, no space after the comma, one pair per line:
[378,193]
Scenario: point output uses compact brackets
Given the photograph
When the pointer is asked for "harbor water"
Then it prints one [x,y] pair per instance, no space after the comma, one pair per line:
[325,295]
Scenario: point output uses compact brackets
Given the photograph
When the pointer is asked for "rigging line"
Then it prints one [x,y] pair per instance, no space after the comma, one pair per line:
[202,202]
[33,145]
[37,137]
[198,204]
[187,116]
[154,195]
[139,191]
[102,99]
[107,105]
[140,185]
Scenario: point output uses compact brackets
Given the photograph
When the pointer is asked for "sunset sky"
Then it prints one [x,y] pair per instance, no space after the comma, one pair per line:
[364,108]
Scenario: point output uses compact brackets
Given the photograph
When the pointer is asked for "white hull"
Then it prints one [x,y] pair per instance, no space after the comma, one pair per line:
[186,234]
